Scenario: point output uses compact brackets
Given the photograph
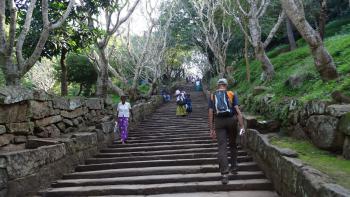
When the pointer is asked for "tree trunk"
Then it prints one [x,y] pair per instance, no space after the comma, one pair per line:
[268,69]
[114,88]
[323,60]
[291,38]
[102,78]
[322,18]
[153,87]
[12,76]
[81,86]
[246,56]
[64,72]
[260,54]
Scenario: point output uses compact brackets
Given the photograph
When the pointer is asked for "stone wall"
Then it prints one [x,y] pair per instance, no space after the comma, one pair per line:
[42,136]
[290,176]
[326,124]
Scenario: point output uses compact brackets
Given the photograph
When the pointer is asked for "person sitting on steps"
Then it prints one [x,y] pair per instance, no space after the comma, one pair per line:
[223,115]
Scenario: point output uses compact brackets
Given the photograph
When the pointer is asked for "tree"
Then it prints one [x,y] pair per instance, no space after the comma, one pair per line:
[81,71]
[217,33]
[116,13]
[323,60]
[13,63]
[256,10]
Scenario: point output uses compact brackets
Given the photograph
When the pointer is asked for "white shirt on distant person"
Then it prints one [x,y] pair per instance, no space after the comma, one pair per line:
[124,110]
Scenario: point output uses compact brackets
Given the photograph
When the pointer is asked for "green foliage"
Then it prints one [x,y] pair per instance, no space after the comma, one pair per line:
[81,74]
[144,88]
[336,167]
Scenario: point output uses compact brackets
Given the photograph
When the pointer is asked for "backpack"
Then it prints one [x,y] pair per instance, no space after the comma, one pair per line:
[222,103]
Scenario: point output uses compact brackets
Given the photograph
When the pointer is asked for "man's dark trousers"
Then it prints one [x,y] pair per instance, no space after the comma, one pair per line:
[226,128]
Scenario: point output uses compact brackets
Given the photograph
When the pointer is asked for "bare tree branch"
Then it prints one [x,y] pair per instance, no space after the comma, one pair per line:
[64,16]
[12,32]
[281,18]
[24,32]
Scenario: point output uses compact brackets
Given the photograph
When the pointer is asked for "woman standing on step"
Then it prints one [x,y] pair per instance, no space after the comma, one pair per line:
[123,113]
[181,103]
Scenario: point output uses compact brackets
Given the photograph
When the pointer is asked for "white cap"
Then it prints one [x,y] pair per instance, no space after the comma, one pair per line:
[177,92]
[222,81]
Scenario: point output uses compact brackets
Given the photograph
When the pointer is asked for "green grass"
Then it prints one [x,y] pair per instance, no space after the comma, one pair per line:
[299,62]
[335,166]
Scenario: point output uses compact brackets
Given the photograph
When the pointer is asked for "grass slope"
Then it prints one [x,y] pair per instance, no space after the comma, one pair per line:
[335,166]
[299,62]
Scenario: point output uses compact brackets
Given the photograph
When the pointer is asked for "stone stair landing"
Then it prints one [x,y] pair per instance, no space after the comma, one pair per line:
[166,156]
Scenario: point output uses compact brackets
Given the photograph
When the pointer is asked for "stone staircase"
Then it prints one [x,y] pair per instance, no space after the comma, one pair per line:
[165,156]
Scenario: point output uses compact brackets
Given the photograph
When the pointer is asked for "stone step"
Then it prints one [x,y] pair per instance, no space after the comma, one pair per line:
[171,129]
[181,131]
[172,139]
[159,157]
[255,193]
[154,163]
[117,145]
[166,136]
[116,153]
[163,170]
[159,148]
[156,179]
[139,189]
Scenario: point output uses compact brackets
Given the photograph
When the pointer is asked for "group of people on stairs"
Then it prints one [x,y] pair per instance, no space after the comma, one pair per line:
[183,102]
[224,116]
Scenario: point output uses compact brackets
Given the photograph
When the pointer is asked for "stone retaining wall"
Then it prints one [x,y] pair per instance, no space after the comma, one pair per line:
[290,176]
[326,124]
[42,136]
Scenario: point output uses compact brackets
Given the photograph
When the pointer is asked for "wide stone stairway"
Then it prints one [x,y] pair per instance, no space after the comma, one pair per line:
[165,156]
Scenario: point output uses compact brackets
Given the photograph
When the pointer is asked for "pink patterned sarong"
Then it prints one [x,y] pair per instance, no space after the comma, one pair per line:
[123,123]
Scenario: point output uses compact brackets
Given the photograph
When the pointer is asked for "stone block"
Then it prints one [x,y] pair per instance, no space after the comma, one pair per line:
[21,163]
[346,148]
[334,190]
[94,103]
[2,129]
[68,122]
[338,110]
[310,181]
[70,130]
[268,126]
[67,104]
[24,128]
[20,139]
[50,131]
[344,124]
[61,126]
[38,142]
[296,131]
[315,108]
[324,133]
[12,147]
[6,139]
[47,121]
[10,113]
[72,114]
[40,109]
